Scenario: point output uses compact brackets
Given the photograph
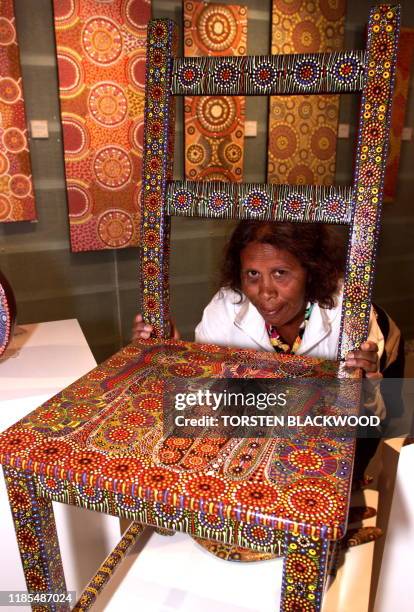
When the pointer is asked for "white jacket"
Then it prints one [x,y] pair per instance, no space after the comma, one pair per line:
[228,322]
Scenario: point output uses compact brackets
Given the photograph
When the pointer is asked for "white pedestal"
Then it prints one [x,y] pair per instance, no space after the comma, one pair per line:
[42,359]
[395,588]
[174,574]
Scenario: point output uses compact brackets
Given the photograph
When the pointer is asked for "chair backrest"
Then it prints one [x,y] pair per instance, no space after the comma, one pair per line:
[370,72]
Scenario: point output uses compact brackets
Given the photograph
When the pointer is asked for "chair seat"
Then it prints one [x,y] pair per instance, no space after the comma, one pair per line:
[100,444]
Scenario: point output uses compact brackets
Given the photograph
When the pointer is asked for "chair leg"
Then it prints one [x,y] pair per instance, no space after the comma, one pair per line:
[304,573]
[108,568]
[37,539]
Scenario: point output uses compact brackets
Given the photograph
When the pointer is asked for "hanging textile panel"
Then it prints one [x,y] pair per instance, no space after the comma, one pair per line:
[214,125]
[399,107]
[16,189]
[101,65]
[303,129]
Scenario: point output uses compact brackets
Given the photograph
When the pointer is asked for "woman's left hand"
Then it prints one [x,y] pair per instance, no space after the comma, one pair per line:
[366,359]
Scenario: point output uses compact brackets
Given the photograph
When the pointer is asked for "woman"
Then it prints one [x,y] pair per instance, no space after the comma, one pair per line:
[281,290]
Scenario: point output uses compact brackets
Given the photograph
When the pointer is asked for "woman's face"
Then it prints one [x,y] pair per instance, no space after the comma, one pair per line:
[274,281]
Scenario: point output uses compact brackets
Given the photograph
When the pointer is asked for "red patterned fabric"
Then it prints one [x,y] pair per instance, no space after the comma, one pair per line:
[399,105]
[16,190]
[214,125]
[101,62]
[302,129]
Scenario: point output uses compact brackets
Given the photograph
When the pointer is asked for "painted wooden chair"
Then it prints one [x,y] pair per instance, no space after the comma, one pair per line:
[99,443]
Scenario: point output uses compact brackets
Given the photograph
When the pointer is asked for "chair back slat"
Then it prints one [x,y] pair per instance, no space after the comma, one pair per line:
[268,202]
[265,75]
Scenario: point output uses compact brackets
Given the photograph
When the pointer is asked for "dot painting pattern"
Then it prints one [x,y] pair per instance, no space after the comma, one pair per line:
[101,64]
[214,126]
[307,27]
[7,313]
[103,435]
[157,169]
[371,157]
[258,201]
[17,201]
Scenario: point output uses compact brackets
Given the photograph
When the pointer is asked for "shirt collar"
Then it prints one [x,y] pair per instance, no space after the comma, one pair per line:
[319,326]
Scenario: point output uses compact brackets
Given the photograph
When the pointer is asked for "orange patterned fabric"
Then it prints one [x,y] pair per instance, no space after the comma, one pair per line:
[399,106]
[101,62]
[16,189]
[302,129]
[214,125]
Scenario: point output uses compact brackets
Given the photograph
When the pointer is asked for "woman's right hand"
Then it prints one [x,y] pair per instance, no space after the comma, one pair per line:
[141,330]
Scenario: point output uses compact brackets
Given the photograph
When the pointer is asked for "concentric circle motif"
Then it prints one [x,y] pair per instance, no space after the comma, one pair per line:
[256,202]
[383,47]
[216,113]
[307,72]
[346,71]
[226,74]
[9,90]
[294,205]
[112,167]
[79,201]
[115,228]
[218,202]
[70,73]
[294,602]
[334,208]
[205,487]
[256,494]
[20,185]
[102,41]
[75,136]
[259,535]
[168,513]
[7,32]
[183,200]
[189,74]
[298,458]
[196,154]
[14,140]
[217,27]
[136,70]
[89,494]
[301,568]
[323,143]
[313,499]
[283,142]
[233,153]
[306,37]
[108,104]
[50,485]
[264,74]
[212,521]
[131,504]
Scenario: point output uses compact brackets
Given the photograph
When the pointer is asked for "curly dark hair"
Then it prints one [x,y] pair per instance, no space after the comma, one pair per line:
[319,248]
